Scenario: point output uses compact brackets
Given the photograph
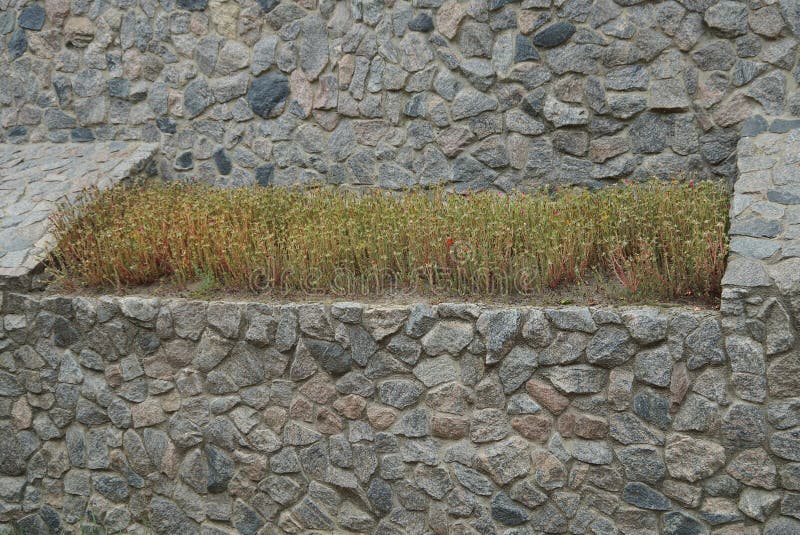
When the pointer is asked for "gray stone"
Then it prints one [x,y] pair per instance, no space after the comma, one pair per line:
[331,357]
[769,90]
[197,97]
[642,463]
[577,379]
[645,497]
[447,337]
[714,56]
[400,393]
[654,366]
[561,114]
[498,327]
[590,451]
[727,18]
[786,444]
[507,512]
[610,347]
[468,103]
[554,35]
[17,44]
[31,17]
[652,408]
[267,92]
[680,523]
[692,459]
[313,48]
[696,414]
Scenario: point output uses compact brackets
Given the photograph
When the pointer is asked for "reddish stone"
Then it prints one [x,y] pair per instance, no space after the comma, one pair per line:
[533,426]
[350,406]
[302,409]
[547,396]
[328,422]
[566,424]
[450,427]
[275,418]
[319,389]
[590,426]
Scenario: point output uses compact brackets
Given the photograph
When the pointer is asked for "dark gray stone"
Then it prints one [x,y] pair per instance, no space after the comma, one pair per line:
[679,523]
[507,512]
[18,44]
[330,356]
[193,5]
[421,23]
[197,97]
[267,92]
[645,497]
[222,161]
[554,35]
[524,49]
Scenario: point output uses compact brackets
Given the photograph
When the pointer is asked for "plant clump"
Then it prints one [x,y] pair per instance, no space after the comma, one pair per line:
[662,240]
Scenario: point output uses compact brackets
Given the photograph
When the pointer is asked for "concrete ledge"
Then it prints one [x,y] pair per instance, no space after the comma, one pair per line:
[35,178]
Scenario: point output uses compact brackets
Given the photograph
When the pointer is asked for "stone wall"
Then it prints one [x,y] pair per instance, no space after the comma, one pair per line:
[480,93]
[220,418]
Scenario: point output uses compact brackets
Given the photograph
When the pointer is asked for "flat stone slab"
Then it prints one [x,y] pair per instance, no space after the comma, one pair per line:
[34,178]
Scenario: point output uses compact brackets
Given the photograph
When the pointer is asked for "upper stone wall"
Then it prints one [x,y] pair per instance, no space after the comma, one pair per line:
[480,93]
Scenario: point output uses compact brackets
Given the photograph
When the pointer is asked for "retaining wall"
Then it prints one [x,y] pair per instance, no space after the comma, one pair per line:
[481,94]
[192,417]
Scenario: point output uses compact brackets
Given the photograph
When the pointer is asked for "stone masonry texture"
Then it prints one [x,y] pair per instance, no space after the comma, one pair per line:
[473,94]
[178,417]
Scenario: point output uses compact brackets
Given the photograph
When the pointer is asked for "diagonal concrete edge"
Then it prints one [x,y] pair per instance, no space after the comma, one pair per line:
[35,178]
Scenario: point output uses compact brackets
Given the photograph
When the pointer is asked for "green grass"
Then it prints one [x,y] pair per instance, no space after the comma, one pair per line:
[657,240]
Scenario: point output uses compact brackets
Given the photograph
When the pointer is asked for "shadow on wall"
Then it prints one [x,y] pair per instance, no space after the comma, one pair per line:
[482,94]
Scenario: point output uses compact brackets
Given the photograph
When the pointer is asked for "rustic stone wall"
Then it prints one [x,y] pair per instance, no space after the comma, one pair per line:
[476,94]
[188,417]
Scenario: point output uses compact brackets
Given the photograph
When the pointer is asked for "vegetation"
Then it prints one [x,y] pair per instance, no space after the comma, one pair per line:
[655,240]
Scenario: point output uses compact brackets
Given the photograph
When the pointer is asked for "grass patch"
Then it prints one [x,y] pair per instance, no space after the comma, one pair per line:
[654,240]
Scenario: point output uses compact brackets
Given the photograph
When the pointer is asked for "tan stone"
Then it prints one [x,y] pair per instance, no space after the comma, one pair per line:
[350,406]
[380,417]
[147,413]
[448,17]
[275,418]
[225,17]
[605,148]
[79,31]
[57,11]
[113,375]
[21,414]
[679,384]
[735,110]
[302,92]
[346,67]
[688,495]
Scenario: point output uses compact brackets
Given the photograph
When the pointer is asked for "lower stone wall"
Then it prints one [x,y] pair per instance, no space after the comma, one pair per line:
[169,416]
